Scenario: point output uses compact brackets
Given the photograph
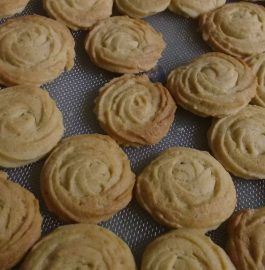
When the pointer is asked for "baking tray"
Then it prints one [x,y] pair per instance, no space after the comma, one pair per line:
[75,92]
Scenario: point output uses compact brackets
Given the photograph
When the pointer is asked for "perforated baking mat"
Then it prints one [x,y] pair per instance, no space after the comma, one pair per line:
[75,92]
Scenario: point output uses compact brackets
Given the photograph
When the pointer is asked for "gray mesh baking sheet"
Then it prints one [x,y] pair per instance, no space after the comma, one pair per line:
[75,92]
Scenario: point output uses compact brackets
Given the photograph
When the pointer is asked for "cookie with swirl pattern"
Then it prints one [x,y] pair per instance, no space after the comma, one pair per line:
[34,50]
[20,222]
[11,7]
[186,188]
[30,125]
[214,84]
[80,246]
[135,111]
[87,179]
[238,142]
[124,45]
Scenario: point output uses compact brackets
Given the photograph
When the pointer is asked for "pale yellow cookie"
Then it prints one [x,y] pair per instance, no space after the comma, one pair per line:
[140,8]
[185,250]
[80,14]
[87,179]
[135,111]
[124,45]
[80,246]
[215,84]
[186,188]
[238,142]
[194,8]
[34,50]
[30,125]
[246,238]
[237,29]
[20,222]
[11,7]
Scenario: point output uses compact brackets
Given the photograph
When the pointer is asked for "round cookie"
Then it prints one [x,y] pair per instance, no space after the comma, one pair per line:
[140,9]
[20,223]
[80,246]
[214,84]
[78,14]
[135,111]
[245,244]
[34,50]
[185,249]
[124,45]
[194,8]
[87,179]
[30,125]
[186,188]
[238,142]
[237,29]
[11,7]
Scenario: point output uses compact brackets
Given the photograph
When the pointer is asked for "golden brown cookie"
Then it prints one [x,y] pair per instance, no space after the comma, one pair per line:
[185,249]
[34,50]
[11,7]
[194,8]
[20,222]
[186,188]
[80,246]
[140,9]
[135,111]
[238,142]
[30,125]
[124,45]
[214,84]
[78,14]
[87,179]
[245,244]
[237,29]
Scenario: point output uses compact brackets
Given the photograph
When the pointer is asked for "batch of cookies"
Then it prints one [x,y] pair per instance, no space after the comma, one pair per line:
[86,179]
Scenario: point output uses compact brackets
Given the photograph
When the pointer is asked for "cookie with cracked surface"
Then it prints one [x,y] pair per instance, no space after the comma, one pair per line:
[11,7]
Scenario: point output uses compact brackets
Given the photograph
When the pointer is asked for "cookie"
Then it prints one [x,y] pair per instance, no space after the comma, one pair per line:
[124,45]
[140,9]
[30,125]
[20,222]
[215,84]
[135,111]
[185,249]
[34,50]
[245,244]
[194,8]
[80,246]
[11,7]
[236,29]
[186,188]
[237,141]
[87,179]
[78,14]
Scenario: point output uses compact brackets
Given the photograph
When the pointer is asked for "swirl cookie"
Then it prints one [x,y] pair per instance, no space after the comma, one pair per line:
[186,188]
[140,9]
[30,125]
[80,246]
[79,14]
[124,45]
[34,50]
[238,142]
[215,84]
[20,223]
[246,239]
[11,7]
[87,179]
[135,111]
[185,249]
[194,8]
[237,29]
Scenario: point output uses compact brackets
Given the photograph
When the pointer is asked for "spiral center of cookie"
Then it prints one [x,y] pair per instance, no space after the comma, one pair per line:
[80,4]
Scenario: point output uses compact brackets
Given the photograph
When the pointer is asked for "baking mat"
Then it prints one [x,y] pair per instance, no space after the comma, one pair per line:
[75,92]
